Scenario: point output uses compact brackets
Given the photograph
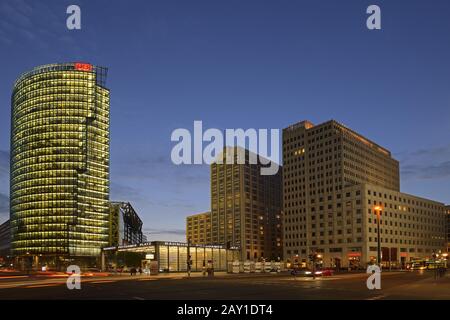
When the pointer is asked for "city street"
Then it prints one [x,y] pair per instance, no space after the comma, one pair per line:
[394,285]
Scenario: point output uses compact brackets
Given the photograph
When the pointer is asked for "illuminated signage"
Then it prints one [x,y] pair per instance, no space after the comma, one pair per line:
[354,254]
[83,66]
[110,248]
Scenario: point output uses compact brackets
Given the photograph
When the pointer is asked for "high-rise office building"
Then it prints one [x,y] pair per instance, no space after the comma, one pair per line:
[198,228]
[334,181]
[60,164]
[246,208]
[447,209]
[5,241]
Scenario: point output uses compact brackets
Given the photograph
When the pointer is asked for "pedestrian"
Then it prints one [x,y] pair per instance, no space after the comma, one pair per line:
[140,271]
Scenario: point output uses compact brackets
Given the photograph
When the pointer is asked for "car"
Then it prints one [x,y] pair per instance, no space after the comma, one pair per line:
[326,272]
[302,272]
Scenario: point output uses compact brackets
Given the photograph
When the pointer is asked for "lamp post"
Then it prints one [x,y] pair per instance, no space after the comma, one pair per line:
[189,257]
[378,213]
[314,258]
[314,255]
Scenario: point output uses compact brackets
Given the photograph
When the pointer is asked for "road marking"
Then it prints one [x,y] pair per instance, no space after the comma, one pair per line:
[377,297]
[43,285]
[101,281]
[13,277]
[138,298]
[150,279]
[308,279]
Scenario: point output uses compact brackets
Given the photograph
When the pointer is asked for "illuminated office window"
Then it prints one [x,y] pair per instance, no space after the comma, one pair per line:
[60,161]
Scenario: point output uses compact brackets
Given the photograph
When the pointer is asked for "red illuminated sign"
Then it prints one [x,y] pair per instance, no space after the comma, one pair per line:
[354,254]
[83,66]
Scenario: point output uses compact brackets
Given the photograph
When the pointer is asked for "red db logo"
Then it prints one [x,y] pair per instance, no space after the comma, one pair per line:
[83,66]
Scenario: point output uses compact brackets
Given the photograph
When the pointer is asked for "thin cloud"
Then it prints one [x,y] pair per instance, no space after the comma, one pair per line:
[120,192]
[163,234]
[160,168]
[4,162]
[173,203]
[438,171]
[432,152]
[42,25]
[19,12]
[156,231]
[4,173]
[426,163]
[437,151]
[4,207]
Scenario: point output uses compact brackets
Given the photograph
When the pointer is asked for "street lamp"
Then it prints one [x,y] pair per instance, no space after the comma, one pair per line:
[378,213]
[313,257]
[189,257]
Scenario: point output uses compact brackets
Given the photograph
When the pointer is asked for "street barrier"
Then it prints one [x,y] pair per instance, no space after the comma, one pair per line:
[247,267]
[255,267]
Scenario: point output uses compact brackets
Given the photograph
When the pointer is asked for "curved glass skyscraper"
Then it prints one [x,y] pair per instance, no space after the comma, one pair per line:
[60,163]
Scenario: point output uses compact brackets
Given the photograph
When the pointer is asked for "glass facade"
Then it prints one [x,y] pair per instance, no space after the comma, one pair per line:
[201,255]
[173,256]
[60,161]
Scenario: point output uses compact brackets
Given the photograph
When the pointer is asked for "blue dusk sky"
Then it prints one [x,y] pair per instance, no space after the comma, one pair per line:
[241,64]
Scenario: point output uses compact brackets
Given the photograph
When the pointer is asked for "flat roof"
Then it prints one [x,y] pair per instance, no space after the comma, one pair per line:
[307,125]
[166,243]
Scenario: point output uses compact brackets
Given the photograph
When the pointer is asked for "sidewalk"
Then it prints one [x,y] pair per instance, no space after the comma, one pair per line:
[197,275]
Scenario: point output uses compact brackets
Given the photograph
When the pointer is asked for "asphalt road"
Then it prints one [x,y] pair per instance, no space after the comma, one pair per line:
[395,285]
